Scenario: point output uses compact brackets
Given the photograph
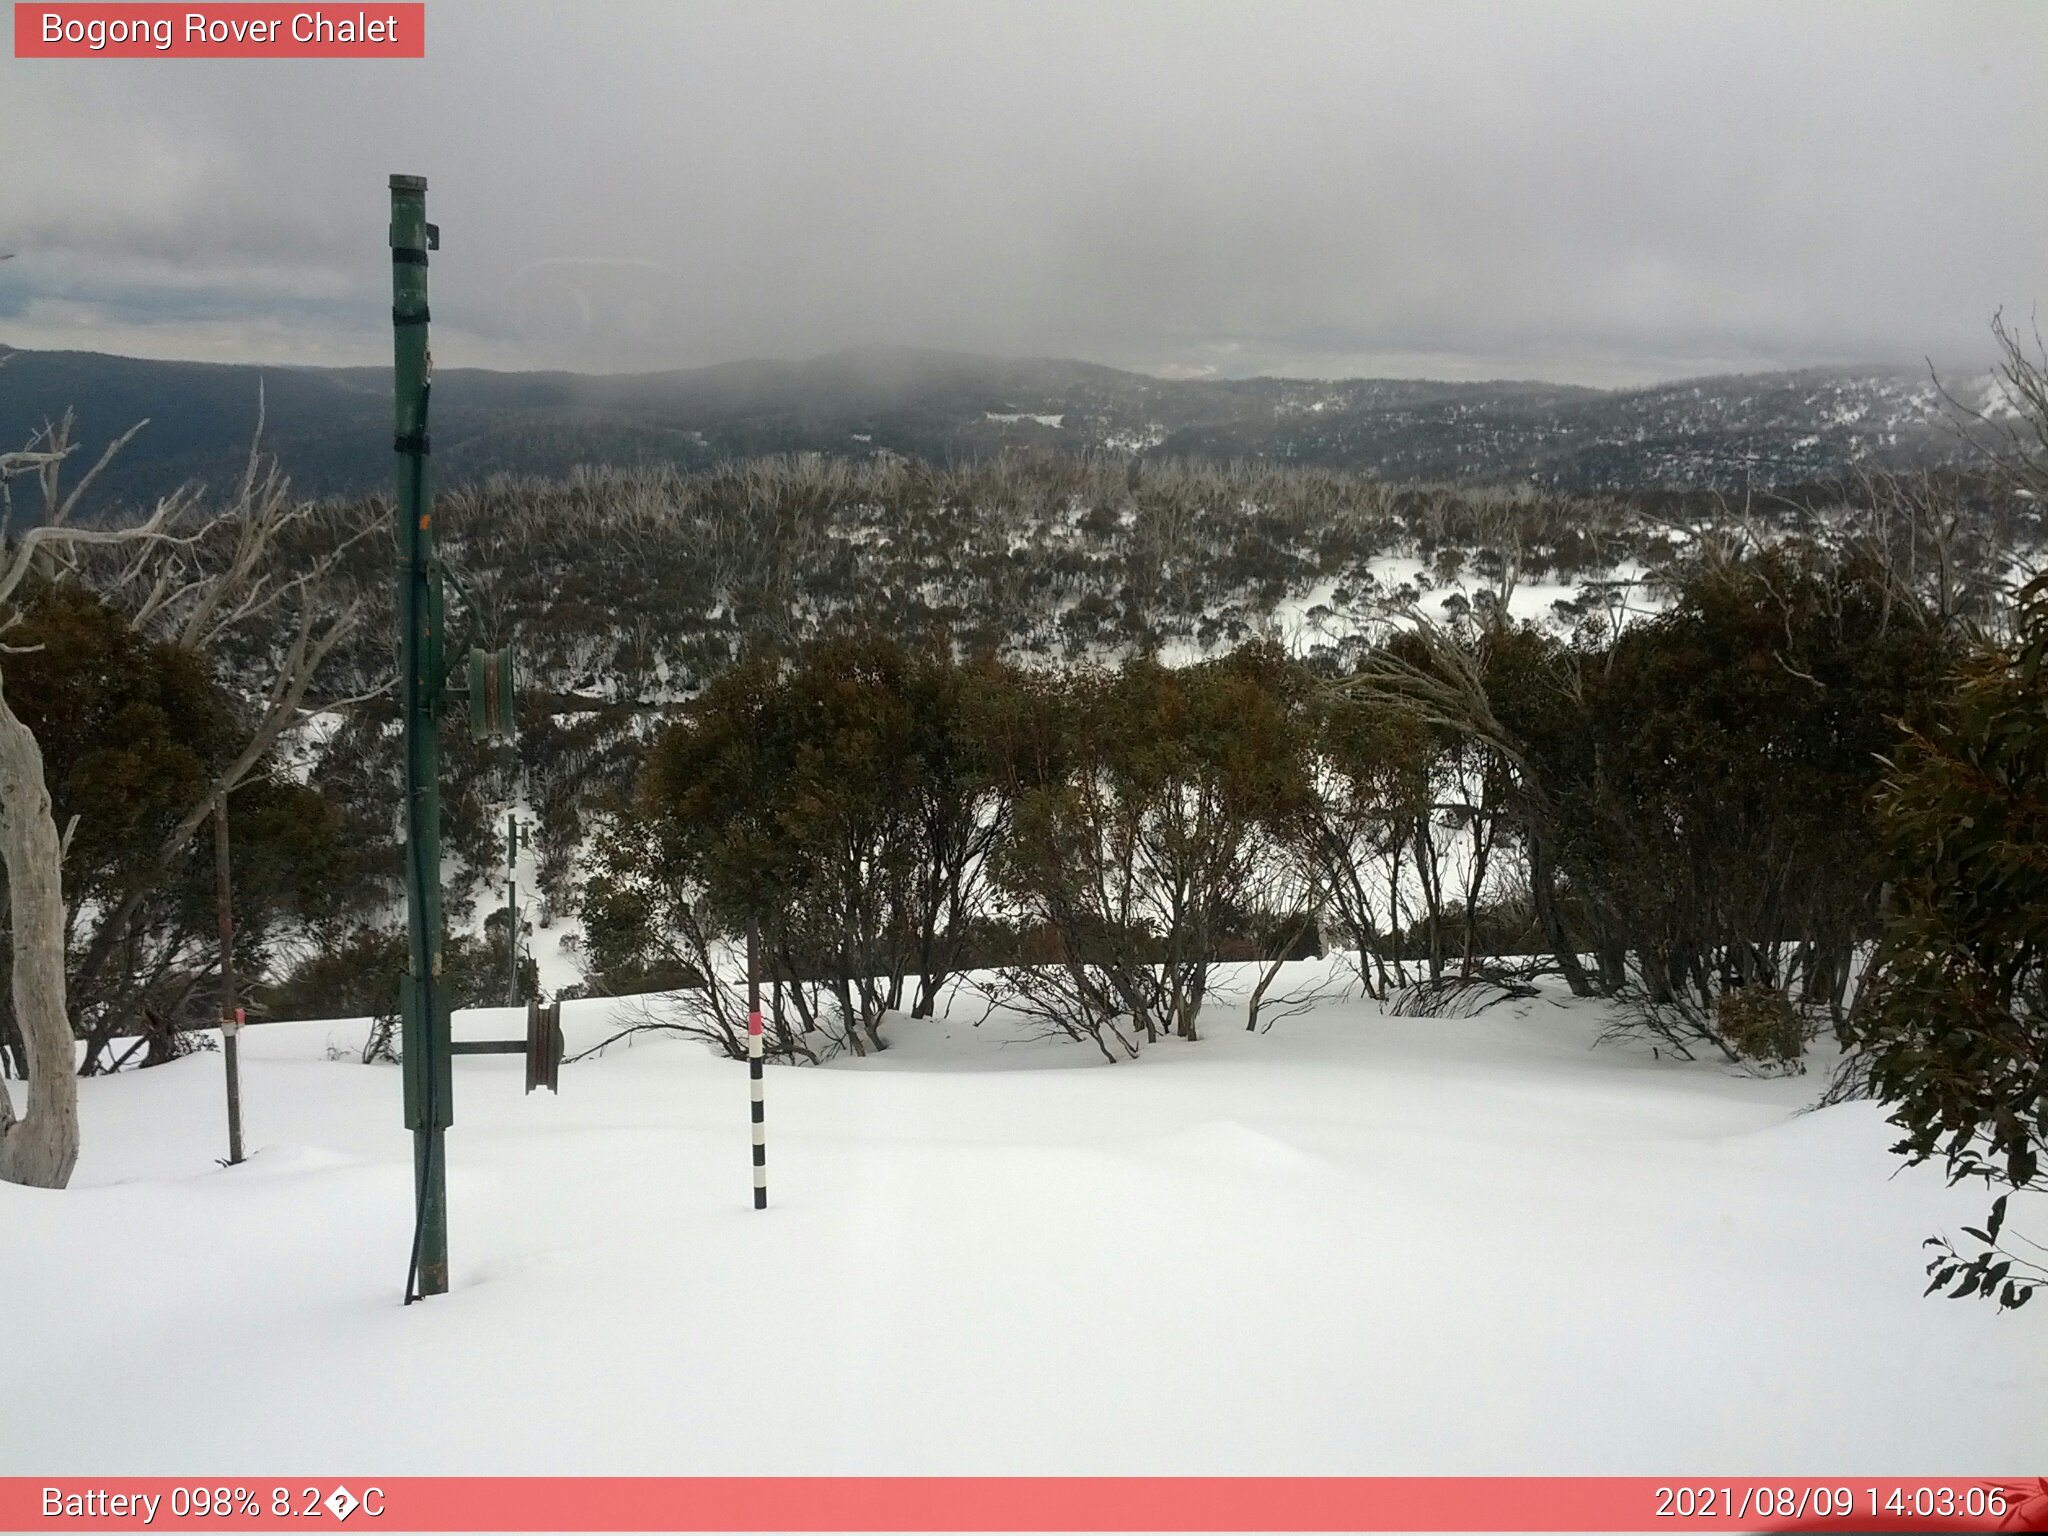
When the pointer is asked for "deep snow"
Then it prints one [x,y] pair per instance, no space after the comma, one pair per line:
[1355,1244]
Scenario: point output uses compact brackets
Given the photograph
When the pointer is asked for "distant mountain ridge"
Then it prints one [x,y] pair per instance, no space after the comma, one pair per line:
[331,427]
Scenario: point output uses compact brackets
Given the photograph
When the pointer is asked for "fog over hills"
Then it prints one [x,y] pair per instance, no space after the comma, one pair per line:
[330,426]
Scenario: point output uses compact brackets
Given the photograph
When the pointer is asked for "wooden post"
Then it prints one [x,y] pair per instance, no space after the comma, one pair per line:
[230,1010]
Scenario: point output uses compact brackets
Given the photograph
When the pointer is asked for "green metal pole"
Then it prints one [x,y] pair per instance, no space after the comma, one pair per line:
[429,1109]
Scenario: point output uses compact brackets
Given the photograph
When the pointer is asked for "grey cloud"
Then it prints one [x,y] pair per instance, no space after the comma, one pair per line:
[1587,192]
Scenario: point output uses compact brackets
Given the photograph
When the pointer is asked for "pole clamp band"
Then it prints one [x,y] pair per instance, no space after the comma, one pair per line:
[410,317]
[412,442]
[408,256]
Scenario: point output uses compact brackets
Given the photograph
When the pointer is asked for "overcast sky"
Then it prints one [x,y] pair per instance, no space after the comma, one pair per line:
[1598,193]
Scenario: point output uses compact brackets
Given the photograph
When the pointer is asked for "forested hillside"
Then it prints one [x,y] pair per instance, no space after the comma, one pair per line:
[330,427]
[631,595]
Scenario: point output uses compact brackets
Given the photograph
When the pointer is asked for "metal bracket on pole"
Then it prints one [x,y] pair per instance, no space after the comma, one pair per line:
[425,1058]
[493,711]
[543,1046]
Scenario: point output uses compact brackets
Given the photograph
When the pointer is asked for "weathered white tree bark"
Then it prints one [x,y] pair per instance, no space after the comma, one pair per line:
[39,1147]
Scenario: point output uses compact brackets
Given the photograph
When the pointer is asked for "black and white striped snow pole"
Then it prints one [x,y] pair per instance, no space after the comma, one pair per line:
[754,1042]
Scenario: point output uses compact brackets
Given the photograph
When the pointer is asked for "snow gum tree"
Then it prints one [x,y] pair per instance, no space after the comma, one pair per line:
[132,730]
[1955,1026]
[1140,802]
[1692,797]
[39,1144]
[188,576]
[840,803]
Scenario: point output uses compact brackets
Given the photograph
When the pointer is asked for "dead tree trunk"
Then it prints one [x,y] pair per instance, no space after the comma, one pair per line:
[40,1147]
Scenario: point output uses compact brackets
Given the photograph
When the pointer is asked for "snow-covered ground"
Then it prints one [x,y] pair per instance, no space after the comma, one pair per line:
[1355,1244]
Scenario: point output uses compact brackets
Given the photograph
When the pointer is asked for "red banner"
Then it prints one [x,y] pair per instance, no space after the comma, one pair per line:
[234,31]
[1025,1504]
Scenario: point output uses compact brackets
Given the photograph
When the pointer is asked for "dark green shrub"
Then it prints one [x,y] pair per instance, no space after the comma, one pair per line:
[1955,1025]
[1760,1025]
